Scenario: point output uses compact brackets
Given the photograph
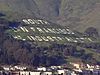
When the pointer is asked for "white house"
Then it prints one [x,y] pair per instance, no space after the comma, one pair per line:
[35,73]
[41,69]
[63,71]
[6,67]
[20,67]
[73,73]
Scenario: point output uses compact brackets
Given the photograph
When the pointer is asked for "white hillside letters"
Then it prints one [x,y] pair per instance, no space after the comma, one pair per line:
[41,30]
[45,30]
[54,30]
[34,21]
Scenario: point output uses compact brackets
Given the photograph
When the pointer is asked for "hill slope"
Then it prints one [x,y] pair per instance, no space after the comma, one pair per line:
[76,14]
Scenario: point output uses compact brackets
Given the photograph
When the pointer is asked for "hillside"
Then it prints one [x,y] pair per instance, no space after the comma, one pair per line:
[23,34]
[91,19]
[41,30]
[78,15]
[31,39]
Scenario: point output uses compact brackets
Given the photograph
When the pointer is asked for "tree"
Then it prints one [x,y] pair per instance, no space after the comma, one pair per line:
[91,31]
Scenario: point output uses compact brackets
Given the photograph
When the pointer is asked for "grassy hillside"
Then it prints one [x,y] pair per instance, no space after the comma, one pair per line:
[17,48]
[92,19]
[47,32]
[93,52]
[77,14]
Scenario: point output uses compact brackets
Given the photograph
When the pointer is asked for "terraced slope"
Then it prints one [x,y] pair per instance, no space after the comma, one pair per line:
[44,31]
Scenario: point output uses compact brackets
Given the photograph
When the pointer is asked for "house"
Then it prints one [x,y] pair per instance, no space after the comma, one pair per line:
[25,73]
[77,70]
[56,67]
[73,73]
[18,67]
[97,67]
[41,69]
[63,71]
[15,73]
[76,65]
[47,73]
[6,67]
[33,73]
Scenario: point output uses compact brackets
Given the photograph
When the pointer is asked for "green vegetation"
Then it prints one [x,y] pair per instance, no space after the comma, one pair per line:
[45,53]
[48,33]
[93,52]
